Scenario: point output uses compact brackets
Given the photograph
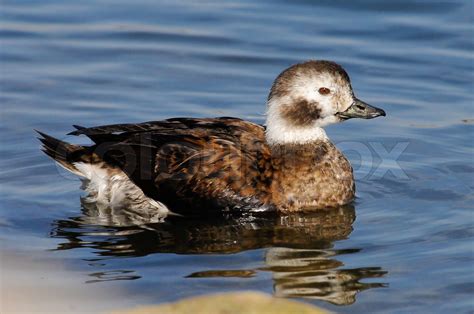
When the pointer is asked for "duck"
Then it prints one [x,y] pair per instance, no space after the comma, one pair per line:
[192,166]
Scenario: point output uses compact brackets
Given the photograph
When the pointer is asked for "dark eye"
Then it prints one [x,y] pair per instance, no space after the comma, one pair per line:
[324,91]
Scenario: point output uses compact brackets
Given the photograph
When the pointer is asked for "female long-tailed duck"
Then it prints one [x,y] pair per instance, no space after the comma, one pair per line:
[187,165]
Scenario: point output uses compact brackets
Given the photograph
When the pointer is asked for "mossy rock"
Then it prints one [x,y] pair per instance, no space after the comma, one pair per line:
[230,303]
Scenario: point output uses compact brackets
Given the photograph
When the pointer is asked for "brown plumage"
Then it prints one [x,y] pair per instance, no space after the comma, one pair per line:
[192,165]
[311,176]
[300,112]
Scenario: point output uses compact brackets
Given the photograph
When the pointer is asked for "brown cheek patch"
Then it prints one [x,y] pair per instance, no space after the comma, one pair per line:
[301,113]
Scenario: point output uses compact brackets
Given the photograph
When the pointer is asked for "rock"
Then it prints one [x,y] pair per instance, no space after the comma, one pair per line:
[230,303]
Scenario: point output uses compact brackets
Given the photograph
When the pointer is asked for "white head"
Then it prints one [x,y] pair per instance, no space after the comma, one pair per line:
[308,96]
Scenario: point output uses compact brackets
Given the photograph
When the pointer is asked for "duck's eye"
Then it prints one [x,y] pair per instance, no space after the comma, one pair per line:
[324,90]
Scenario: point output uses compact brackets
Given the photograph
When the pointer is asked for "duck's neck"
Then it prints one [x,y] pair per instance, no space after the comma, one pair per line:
[296,155]
[281,134]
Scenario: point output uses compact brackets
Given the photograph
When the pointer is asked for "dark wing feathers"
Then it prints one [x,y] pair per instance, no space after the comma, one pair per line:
[191,164]
[163,125]
[214,173]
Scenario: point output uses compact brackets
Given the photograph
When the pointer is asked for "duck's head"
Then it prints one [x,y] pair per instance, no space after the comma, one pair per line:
[308,96]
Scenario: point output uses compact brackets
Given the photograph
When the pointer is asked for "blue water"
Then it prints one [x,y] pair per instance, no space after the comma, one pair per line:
[405,246]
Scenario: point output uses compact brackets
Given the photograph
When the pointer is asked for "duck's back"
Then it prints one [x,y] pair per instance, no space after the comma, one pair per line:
[191,165]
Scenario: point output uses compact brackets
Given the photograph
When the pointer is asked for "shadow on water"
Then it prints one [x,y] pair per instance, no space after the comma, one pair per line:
[300,252]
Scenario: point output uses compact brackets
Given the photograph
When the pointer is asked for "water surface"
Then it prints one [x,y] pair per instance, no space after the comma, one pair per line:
[404,246]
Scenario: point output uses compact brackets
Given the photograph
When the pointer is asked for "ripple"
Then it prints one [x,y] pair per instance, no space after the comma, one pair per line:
[101,62]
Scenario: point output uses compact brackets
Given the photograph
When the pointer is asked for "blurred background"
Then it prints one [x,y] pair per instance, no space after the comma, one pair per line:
[405,246]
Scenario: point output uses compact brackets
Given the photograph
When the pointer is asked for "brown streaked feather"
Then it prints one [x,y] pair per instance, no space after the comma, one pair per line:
[192,164]
[218,174]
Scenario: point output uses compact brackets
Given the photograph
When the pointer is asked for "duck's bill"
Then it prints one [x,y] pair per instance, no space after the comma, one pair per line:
[360,109]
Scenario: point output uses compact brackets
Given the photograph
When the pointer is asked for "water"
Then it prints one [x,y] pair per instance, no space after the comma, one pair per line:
[405,246]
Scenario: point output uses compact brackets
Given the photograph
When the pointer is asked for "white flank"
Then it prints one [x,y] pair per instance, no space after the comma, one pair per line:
[112,188]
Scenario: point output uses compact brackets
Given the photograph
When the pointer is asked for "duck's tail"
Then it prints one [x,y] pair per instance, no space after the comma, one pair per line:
[105,184]
[64,153]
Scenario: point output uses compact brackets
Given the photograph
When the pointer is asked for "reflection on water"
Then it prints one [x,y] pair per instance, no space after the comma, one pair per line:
[316,274]
[112,275]
[299,254]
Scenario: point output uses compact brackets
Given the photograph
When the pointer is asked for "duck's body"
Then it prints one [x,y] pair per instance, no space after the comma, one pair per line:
[191,165]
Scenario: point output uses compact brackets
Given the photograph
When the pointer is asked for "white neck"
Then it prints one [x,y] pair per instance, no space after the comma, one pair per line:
[279,132]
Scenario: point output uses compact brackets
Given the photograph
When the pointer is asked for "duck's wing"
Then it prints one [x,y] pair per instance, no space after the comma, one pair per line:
[223,125]
[191,164]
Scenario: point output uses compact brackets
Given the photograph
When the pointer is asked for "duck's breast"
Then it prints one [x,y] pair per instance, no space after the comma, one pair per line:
[312,176]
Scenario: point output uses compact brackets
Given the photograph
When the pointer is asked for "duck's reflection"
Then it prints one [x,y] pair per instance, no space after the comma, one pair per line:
[316,274]
[299,254]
